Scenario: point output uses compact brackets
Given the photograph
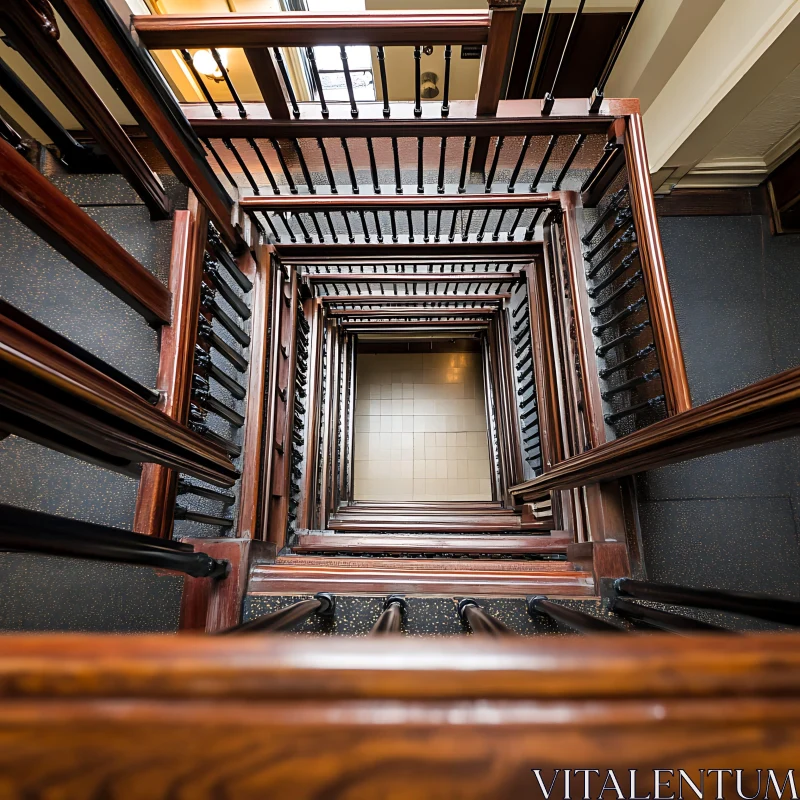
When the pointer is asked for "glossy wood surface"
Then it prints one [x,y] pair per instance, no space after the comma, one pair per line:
[55,389]
[259,271]
[34,200]
[555,542]
[769,409]
[155,500]
[117,65]
[269,84]
[42,50]
[304,29]
[654,270]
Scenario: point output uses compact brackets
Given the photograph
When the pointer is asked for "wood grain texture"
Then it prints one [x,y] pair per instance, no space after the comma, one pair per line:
[555,542]
[712,202]
[308,718]
[44,53]
[259,271]
[512,118]
[167,31]
[42,383]
[769,409]
[212,605]
[654,269]
[155,500]
[380,202]
[270,86]
[118,66]
[320,574]
[50,214]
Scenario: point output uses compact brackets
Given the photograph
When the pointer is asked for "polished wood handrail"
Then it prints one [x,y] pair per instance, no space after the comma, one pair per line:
[654,269]
[52,388]
[155,500]
[43,52]
[457,202]
[413,277]
[305,29]
[113,51]
[33,199]
[769,409]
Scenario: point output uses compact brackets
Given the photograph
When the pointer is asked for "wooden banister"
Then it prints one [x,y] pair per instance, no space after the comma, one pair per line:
[769,409]
[659,297]
[155,502]
[38,43]
[108,41]
[304,29]
[53,397]
[30,197]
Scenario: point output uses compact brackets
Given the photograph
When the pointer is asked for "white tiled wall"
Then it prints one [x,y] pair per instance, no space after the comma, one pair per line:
[420,428]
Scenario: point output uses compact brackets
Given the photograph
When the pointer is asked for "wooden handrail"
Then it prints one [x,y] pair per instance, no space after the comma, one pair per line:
[155,501]
[654,269]
[414,277]
[106,38]
[304,29]
[295,203]
[33,199]
[40,47]
[51,396]
[769,409]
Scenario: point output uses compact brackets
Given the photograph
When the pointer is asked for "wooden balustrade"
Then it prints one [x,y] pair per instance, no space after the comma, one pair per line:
[51,396]
[155,501]
[37,42]
[34,532]
[108,41]
[33,199]
[479,621]
[322,604]
[769,409]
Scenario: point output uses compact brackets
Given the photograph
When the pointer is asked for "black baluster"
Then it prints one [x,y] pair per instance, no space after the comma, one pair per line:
[543,165]
[612,206]
[490,177]
[327,163]
[186,487]
[303,166]
[438,224]
[378,226]
[620,221]
[373,168]
[518,166]
[225,171]
[536,51]
[199,80]
[479,621]
[628,311]
[663,620]
[425,237]
[206,332]
[465,231]
[462,181]
[384,87]
[568,163]
[350,170]
[513,227]
[623,288]
[496,234]
[483,224]
[394,225]
[240,161]
[187,514]
[571,617]
[420,176]
[631,333]
[228,82]
[322,605]
[397,176]
[264,165]
[231,298]
[391,618]
[611,419]
[631,384]
[638,356]
[442,154]
[286,82]
[452,235]
[448,51]
[417,82]
[364,224]
[317,83]
[612,251]
[615,273]
[282,161]
[350,236]
[549,98]
[330,225]
[348,81]
[286,225]
[410,225]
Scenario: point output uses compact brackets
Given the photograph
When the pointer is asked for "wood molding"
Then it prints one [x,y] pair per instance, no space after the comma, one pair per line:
[113,51]
[654,269]
[270,86]
[287,29]
[213,605]
[155,501]
[602,559]
[420,576]
[50,392]
[43,52]
[30,197]
[315,542]
[259,271]
[769,409]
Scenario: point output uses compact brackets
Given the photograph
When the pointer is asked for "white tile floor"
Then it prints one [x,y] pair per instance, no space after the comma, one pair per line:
[420,428]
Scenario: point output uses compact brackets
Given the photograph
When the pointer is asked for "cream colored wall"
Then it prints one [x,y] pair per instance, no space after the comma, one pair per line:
[420,428]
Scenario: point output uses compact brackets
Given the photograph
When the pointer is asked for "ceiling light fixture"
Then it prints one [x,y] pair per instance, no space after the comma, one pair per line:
[205,63]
